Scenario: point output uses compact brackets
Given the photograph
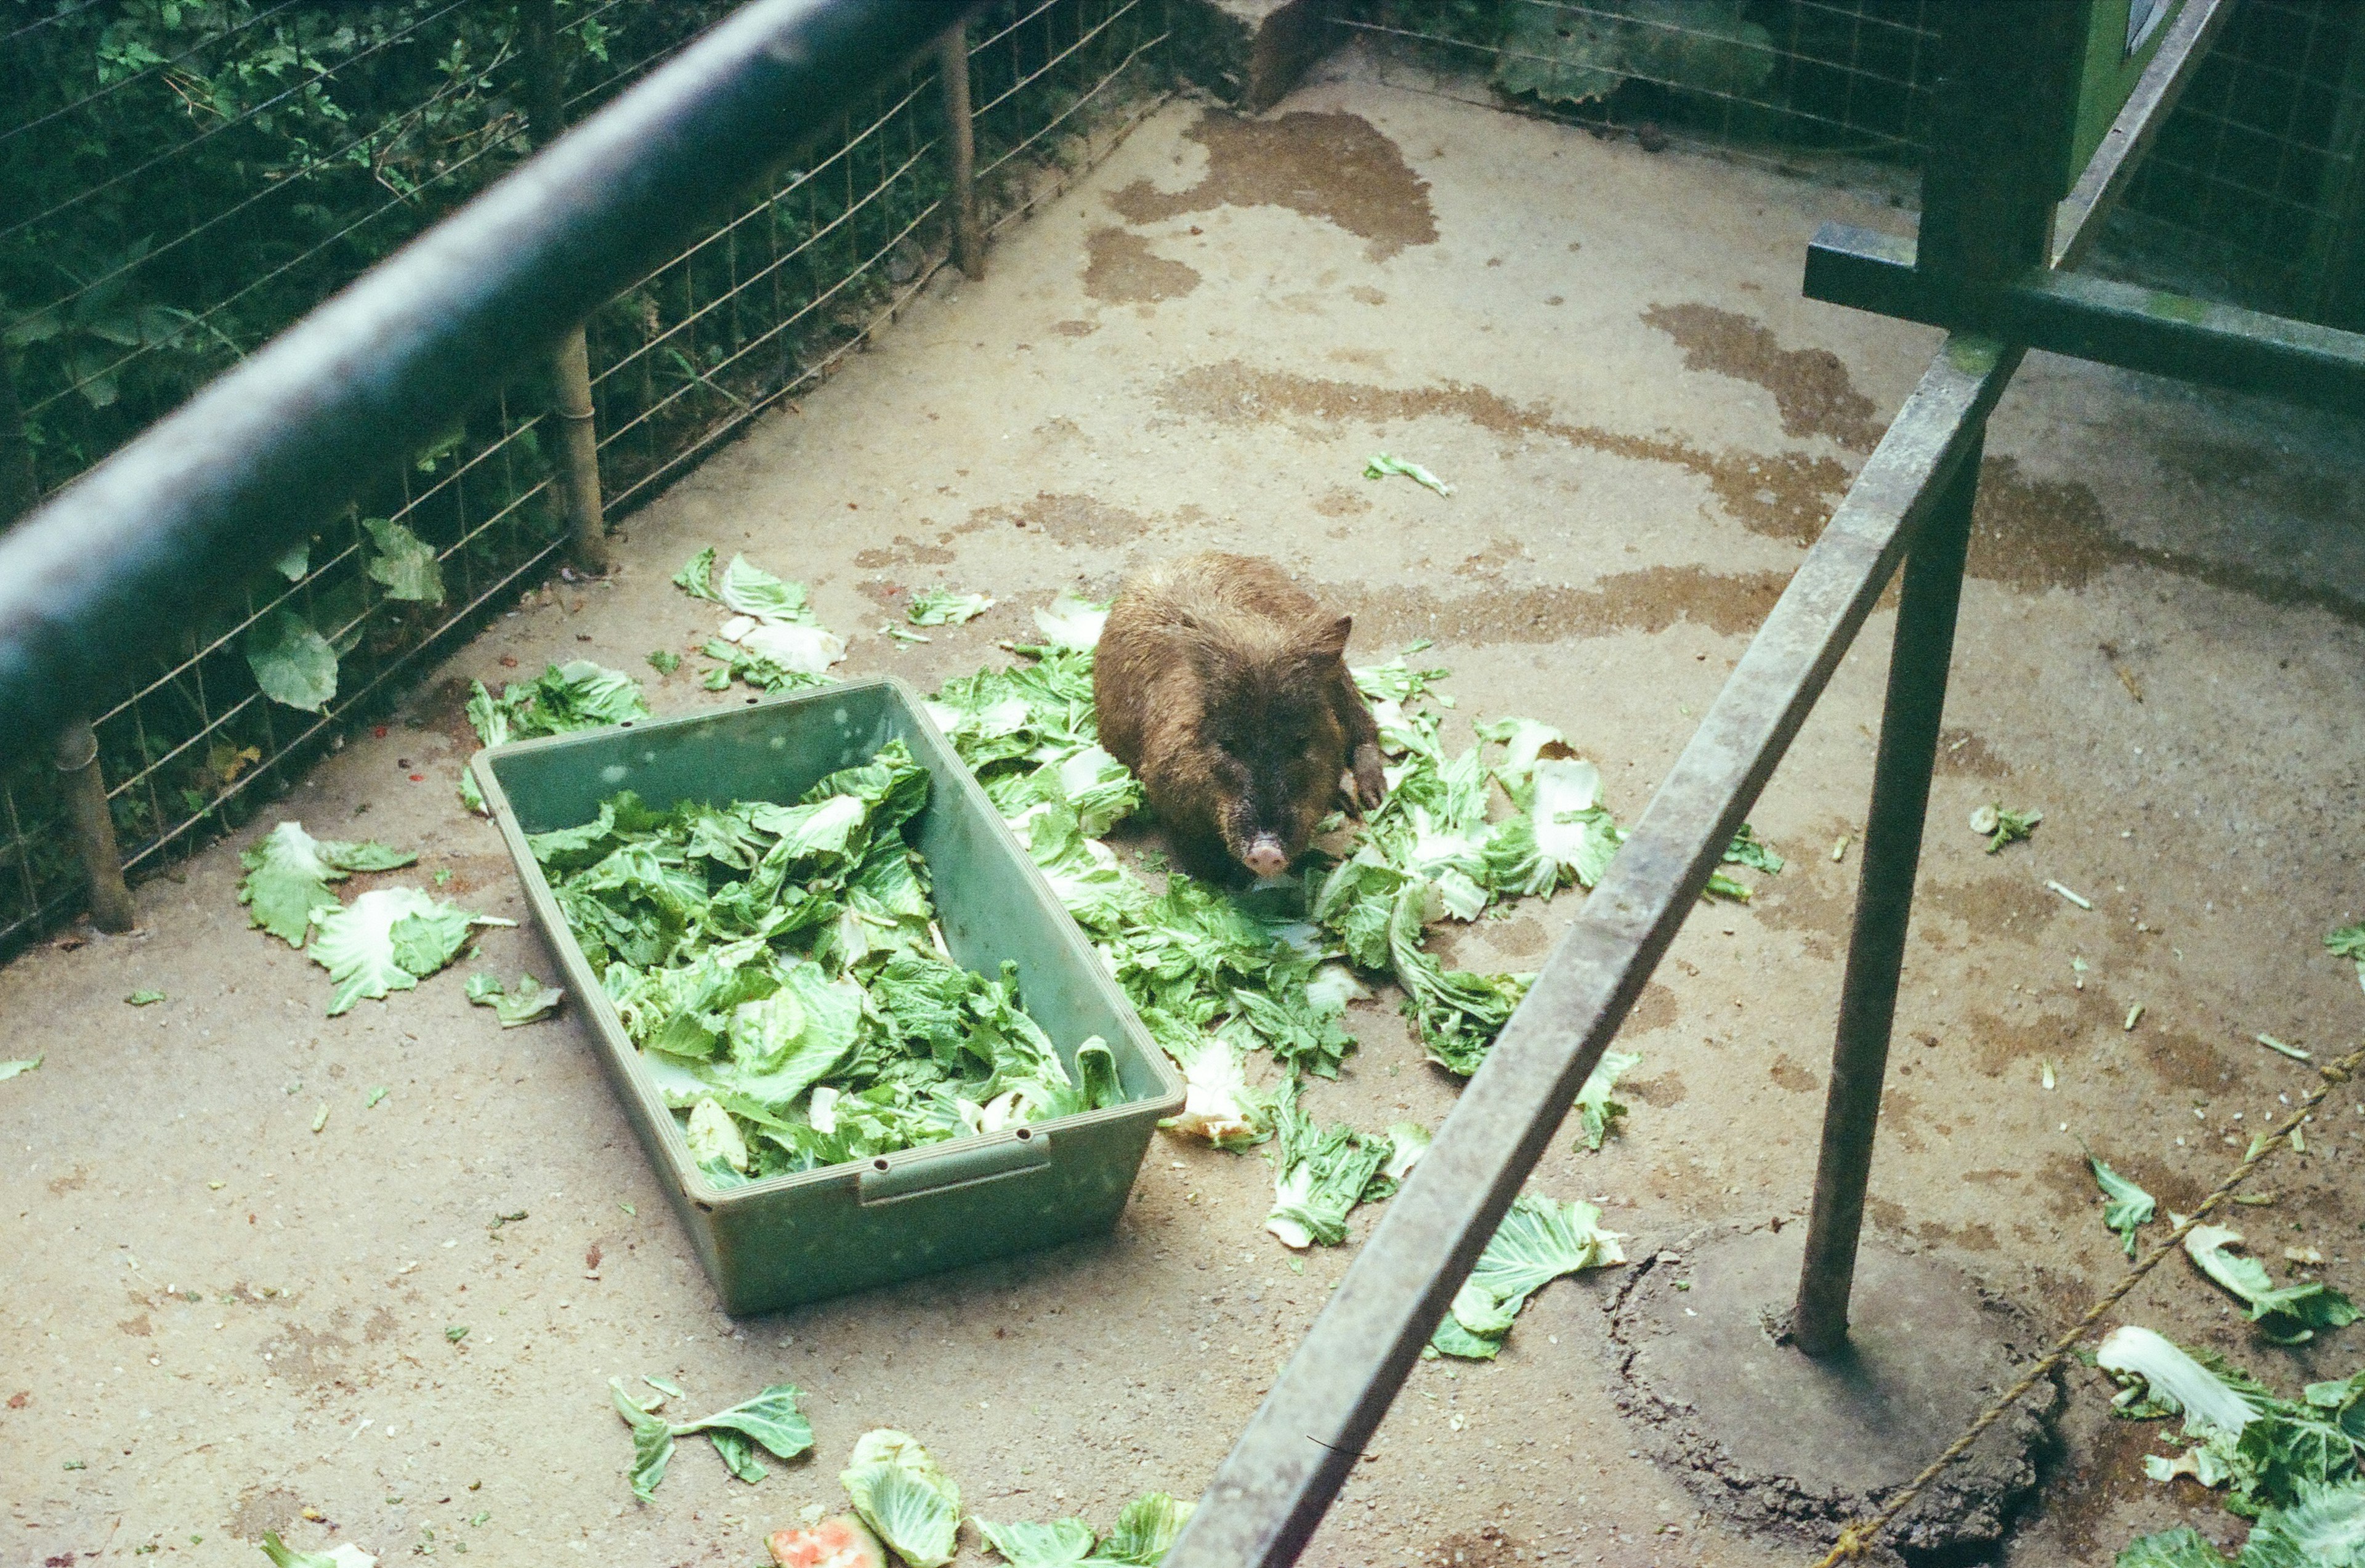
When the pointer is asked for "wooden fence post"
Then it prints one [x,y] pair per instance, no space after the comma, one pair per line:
[80,783]
[570,364]
[952,71]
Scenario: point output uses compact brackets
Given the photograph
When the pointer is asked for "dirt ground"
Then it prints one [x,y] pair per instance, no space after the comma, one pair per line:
[219,1319]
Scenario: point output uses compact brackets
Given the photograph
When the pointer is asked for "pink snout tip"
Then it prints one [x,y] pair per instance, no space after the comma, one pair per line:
[1264,856]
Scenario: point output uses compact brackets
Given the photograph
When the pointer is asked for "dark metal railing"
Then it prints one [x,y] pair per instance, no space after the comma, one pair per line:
[216,489]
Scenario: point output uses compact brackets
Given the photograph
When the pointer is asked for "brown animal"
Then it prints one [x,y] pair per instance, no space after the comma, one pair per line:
[1224,686]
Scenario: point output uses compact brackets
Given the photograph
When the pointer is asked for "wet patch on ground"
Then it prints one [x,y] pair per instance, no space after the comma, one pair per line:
[1334,166]
[1068,520]
[1961,753]
[1785,495]
[1120,269]
[1648,601]
[2031,534]
[1811,387]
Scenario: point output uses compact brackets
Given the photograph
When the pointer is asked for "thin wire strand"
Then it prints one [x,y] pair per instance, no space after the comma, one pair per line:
[120,83]
[1857,1538]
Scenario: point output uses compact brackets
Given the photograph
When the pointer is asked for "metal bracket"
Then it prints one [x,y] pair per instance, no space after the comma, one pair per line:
[2095,318]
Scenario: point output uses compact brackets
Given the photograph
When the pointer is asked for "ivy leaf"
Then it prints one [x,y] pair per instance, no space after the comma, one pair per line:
[292,663]
[405,565]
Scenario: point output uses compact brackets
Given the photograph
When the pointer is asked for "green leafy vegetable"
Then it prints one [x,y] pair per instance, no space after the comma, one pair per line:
[1063,1543]
[652,1441]
[1595,1110]
[405,565]
[1072,623]
[696,576]
[1217,1105]
[520,1004]
[665,661]
[2348,942]
[288,873]
[1145,1529]
[1140,1538]
[2288,1315]
[344,1554]
[2000,826]
[1539,1240]
[770,1419]
[2180,1548]
[26,1064]
[144,997]
[389,939]
[2125,1206]
[779,967]
[942,607]
[901,1494]
[1320,1175]
[1748,849]
[564,699]
[292,663]
[1384,464]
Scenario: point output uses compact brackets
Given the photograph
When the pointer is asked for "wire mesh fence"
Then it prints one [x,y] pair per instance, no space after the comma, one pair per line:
[2252,193]
[191,189]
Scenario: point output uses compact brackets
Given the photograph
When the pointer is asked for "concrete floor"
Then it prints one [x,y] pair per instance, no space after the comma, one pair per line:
[217,1321]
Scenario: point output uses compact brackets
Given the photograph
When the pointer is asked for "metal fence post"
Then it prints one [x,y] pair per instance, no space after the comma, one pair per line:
[2000,139]
[80,783]
[952,71]
[570,363]
[1918,664]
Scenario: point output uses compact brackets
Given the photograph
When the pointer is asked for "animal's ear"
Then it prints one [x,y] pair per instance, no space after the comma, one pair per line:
[1329,640]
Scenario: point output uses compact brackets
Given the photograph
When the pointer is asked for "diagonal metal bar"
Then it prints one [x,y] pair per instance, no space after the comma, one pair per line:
[1269,1494]
[254,460]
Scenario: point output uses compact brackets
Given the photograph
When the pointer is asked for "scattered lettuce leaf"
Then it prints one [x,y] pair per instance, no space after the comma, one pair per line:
[696,577]
[901,1495]
[288,873]
[665,661]
[144,997]
[1748,849]
[2288,1315]
[1540,1240]
[1217,1103]
[25,1064]
[1062,1543]
[2325,1528]
[344,1554]
[652,1441]
[1384,464]
[2348,942]
[1595,1110]
[1072,622]
[2125,1206]
[389,939]
[577,695]
[1146,1530]
[2159,1377]
[2000,826]
[942,607]
[1320,1174]
[2179,1548]
[524,1002]
[1408,1141]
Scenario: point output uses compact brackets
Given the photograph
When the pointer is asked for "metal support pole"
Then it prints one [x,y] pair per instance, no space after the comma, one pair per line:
[570,363]
[1918,665]
[2001,133]
[84,792]
[952,69]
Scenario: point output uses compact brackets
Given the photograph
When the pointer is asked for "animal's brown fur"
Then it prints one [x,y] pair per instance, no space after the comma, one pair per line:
[1224,686]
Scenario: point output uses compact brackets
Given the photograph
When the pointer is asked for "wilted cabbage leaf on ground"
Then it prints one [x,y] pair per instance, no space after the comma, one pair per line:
[389,939]
[1539,1240]
[2288,1315]
[2125,1206]
[942,607]
[288,873]
[524,1002]
[902,1493]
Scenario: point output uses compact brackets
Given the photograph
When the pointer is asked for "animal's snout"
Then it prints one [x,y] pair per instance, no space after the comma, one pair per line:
[1265,856]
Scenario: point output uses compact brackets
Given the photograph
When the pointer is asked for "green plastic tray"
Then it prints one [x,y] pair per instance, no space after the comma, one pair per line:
[788,1239]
